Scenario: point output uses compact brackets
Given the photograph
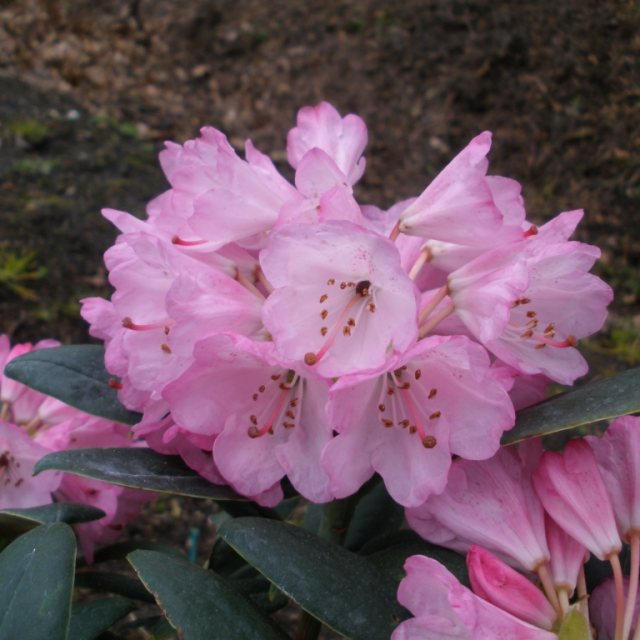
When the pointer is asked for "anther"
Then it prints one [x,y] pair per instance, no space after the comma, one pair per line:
[531,314]
[288,425]
[432,393]
[255,396]
[261,388]
[290,414]
[417,374]
[324,331]
[253,432]
[114,384]
[165,347]
[387,423]
[254,419]
[310,358]
[331,281]
[382,407]
[404,423]
[390,391]
[276,376]
[362,288]
[343,285]
[372,307]
[346,331]
[323,297]
[324,314]
[435,414]
[413,428]
[351,322]
[527,334]
[428,442]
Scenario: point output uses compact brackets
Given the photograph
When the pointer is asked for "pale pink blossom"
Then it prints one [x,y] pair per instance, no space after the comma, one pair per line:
[571,489]
[464,206]
[341,302]
[531,301]
[567,556]
[443,608]
[18,456]
[342,139]
[489,503]
[618,455]
[268,419]
[405,422]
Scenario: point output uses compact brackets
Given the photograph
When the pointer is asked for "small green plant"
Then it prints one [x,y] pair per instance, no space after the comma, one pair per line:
[18,268]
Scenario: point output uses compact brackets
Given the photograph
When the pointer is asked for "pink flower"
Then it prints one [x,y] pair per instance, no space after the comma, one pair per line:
[508,590]
[443,608]
[617,453]
[269,420]
[342,139]
[489,503]
[530,302]
[567,556]
[341,302]
[18,456]
[571,489]
[406,422]
[462,205]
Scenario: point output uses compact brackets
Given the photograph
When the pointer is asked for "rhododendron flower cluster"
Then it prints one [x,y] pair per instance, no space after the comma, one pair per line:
[268,329]
[33,425]
[541,513]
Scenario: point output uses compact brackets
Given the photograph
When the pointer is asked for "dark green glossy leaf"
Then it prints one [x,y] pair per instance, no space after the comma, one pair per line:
[376,514]
[389,553]
[107,582]
[343,590]
[74,374]
[199,603]
[574,627]
[90,619]
[599,400]
[137,468]
[36,584]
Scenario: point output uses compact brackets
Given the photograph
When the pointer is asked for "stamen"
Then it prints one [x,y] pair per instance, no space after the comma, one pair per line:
[531,231]
[114,384]
[187,243]
[362,288]
[128,323]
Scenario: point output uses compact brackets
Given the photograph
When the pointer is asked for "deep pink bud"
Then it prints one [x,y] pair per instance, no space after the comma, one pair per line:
[499,584]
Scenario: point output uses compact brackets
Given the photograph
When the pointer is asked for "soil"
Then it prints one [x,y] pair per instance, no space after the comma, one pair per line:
[90,90]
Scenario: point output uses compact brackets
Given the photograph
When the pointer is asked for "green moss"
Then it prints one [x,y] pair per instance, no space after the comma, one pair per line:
[33,132]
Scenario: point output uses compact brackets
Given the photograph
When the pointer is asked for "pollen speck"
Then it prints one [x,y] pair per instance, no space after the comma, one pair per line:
[382,407]
[428,442]
[261,388]
[310,358]
[346,330]
[324,331]
[417,374]
[255,396]
[331,281]
[404,423]
[372,307]
[254,419]
[323,297]
[351,322]
[165,347]
[324,314]
[435,414]
[531,314]
[432,393]
[387,423]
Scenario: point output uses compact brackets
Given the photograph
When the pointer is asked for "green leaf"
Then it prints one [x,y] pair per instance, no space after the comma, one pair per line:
[198,603]
[343,590]
[36,585]
[74,374]
[107,582]
[376,514]
[389,553]
[600,400]
[90,619]
[15,522]
[137,468]
[574,627]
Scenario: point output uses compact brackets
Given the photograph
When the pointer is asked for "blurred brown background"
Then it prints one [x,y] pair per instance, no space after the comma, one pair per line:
[89,91]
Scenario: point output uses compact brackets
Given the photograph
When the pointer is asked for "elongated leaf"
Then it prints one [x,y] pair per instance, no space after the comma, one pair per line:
[36,585]
[389,553]
[74,374]
[600,400]
[138,468]
[90,619]
[117,583]
[199,603]
[376,514]
[343,590]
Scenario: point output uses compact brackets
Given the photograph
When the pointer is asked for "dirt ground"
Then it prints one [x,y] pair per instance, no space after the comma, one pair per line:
[90,90]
